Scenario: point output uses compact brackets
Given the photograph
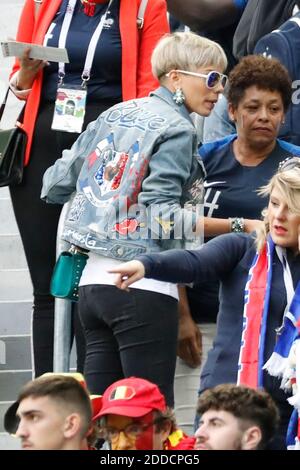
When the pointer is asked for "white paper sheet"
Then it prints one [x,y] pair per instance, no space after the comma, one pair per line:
[51,54]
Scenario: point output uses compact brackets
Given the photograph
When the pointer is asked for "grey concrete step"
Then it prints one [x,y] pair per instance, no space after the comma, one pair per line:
[15,352]
[15,285]
[4,192]
[8,223]
[11,382]
[15,318]
[12,252]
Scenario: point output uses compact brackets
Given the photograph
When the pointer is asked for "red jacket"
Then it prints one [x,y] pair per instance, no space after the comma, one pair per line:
[137,46]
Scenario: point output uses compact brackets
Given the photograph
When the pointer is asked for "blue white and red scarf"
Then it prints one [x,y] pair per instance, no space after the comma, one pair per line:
[255,315]
[285,360]
[256,304]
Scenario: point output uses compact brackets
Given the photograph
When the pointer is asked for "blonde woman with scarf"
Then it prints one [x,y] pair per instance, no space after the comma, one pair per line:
[259,293]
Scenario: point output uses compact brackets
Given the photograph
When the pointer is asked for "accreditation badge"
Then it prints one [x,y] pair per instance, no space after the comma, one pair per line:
[69,109]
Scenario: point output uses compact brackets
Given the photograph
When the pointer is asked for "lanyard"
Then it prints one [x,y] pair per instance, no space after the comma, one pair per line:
[85,76]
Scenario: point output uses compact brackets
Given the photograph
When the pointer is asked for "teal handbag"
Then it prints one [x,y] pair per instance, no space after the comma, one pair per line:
[67,273]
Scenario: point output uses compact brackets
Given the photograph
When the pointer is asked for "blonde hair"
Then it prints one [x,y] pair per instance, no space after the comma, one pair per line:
[288,183]
[185,51]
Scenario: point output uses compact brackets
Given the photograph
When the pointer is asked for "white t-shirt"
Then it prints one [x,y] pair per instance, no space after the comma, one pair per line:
[95,272]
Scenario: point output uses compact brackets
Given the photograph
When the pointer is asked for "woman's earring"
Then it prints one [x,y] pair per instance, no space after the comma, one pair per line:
[179,97]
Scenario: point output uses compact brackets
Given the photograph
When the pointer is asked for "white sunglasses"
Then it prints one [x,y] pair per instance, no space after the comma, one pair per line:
[213,78]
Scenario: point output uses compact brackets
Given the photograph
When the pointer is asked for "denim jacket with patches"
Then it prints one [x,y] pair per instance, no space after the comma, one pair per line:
[138,180]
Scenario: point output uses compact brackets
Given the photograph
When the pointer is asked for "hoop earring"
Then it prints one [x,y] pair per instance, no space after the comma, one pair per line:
[179,97]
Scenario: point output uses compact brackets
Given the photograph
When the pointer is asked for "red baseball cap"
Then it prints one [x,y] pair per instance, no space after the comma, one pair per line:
[96,402]
[131,397]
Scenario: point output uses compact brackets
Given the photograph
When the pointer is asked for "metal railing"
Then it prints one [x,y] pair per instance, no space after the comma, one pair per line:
[62,312]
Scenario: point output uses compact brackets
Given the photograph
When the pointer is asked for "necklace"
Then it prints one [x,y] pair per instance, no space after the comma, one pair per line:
[89,6]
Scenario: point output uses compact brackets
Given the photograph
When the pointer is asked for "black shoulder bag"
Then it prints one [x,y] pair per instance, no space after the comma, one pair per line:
[12,150]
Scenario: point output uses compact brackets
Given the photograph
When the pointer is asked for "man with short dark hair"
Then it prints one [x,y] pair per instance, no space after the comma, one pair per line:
[235,418]
[54,413]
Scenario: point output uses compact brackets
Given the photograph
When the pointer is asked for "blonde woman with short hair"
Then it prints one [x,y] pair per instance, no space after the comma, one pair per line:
[146,202]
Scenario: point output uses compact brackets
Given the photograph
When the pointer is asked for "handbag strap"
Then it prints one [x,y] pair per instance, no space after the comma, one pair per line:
[37,5]
[4,103]
[141,14]
[2,108]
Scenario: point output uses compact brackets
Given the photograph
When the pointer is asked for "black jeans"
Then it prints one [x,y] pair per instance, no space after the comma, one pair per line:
[37,222]
[129,334]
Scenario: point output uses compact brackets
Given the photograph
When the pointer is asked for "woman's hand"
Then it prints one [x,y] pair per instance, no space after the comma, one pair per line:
[28,70]
[128,273]
[189,343]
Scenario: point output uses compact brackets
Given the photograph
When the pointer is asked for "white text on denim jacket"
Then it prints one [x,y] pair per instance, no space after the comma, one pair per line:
[134,116]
